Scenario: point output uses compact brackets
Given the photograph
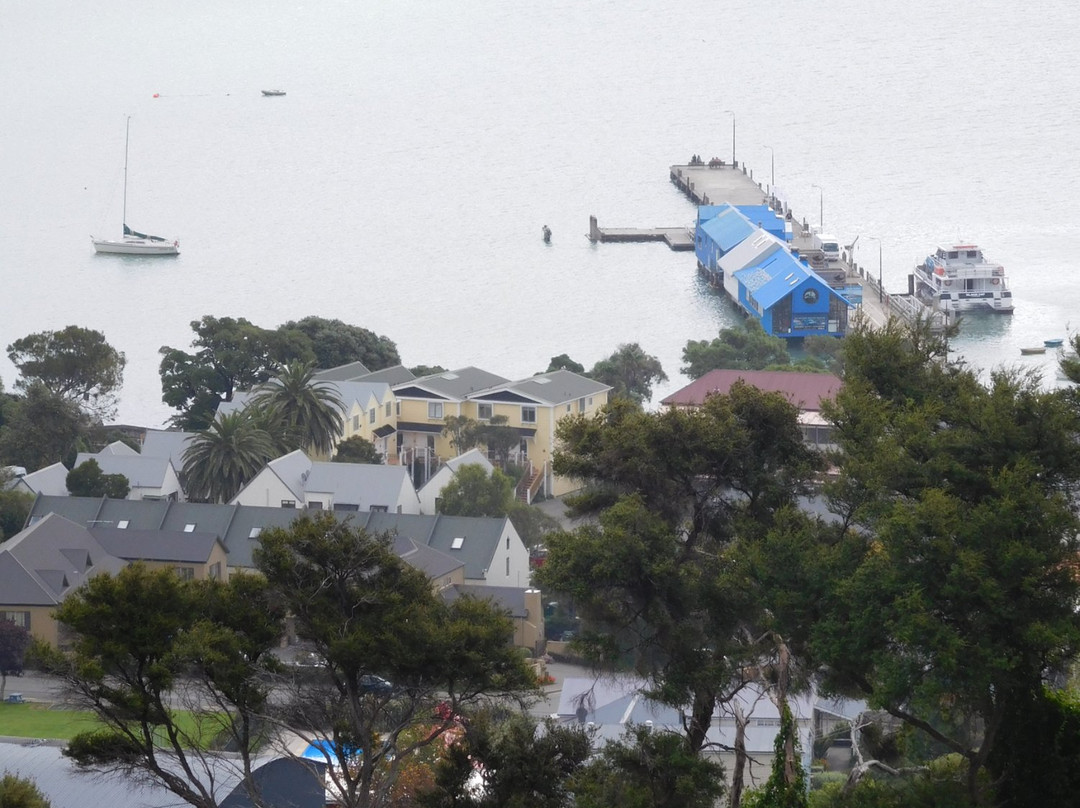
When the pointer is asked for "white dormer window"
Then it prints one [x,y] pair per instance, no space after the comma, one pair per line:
[122,524]
[456,544]
[189,527]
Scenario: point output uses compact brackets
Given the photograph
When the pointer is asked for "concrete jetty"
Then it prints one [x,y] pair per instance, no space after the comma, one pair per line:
[677,238]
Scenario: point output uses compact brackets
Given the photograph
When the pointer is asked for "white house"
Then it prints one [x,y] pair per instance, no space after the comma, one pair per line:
[51,480]
[149,477]
[431,491]
[296,481]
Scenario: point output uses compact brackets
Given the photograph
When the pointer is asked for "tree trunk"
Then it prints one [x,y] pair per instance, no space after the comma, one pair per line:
[740,756]
[700,718]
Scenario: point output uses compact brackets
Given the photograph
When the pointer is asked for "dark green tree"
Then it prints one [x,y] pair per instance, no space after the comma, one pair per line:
[336,343]
[956,599]
[745,348]
[14,506]
[219,461]
[41,428]
[146,643]
[786,786]
[357,450]
[521,764]
[474,492]
[648,768]
[74,363]
[564,362]
[531,523]
[88,480]
[499,438]
[304,413]
[14,640]
[230,355]
[19,792]
[630,371]
[396,655]
[426,370]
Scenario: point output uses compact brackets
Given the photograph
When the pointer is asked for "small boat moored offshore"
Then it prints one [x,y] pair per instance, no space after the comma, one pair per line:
[1030,351]
[959,278]
[273,92]
[1053,343]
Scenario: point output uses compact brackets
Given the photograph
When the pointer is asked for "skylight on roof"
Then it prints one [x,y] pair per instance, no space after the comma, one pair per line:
[123,523]
[255,531]
[542,381]
[456,544]
[450,376]
[189,527]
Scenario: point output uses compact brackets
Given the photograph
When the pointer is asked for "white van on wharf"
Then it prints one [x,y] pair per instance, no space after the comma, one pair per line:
[830,246]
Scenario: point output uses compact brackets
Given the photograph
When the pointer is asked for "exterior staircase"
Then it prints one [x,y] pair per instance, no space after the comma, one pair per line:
[530,483]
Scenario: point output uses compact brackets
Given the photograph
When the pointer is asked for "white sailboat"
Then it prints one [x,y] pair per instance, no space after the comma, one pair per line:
[134,243]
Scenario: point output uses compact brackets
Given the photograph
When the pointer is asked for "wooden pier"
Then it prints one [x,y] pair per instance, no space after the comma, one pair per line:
[677,238]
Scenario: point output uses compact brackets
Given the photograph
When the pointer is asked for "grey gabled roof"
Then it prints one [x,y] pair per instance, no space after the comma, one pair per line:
[555,387]
[49,480]
[432,563]
[458,383]
[291,469]
[396,374]
[141,472]
[341,373]
[238,526]
[156,545]
[363,484]
[118,447]
[510,598]
[170,443]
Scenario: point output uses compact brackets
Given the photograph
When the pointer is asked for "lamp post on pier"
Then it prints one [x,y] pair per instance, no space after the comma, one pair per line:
[772,167]
[821,207]
[732,114]
[880,293]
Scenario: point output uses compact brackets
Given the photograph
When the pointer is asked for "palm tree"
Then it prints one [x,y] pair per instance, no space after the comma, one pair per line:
[221,459]
[307,413]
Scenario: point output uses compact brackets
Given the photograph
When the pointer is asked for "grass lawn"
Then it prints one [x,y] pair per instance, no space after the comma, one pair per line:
[38,721]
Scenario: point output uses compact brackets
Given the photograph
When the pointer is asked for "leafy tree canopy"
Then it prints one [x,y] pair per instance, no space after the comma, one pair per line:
[426,370]
[372,618]
[336,343]
[74,363]
[230,354]
[19,792]
[88,480]
[740,348]
[300,412]
[630,371]
[219,461]
[564,362]
[473,492]
[357,450]
[41,428]
[14,640]
[144,641]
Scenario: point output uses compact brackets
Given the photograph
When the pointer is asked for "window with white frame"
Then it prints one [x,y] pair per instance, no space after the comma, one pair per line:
[528,415]
[371,416]
[581,405]
[434,409]
[355,422]
[484,411]
[387,409]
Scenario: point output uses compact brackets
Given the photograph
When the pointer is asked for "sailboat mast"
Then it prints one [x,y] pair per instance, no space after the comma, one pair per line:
[127,136]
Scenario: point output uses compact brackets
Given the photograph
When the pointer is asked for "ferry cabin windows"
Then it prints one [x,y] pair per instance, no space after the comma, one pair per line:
[528,415]
[484,411]
[434,410]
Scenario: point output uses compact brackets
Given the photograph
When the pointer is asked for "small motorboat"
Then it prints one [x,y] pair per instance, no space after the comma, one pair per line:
[1053,343]
[273,92]
[546,233]
[1031,351]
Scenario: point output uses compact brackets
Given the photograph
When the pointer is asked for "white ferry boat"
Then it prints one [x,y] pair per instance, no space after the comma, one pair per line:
[959,278]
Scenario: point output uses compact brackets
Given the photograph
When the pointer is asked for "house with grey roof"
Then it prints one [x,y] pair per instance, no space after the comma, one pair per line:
[296,481]
[42,564]
[149,477]
[51,480]
[432,490]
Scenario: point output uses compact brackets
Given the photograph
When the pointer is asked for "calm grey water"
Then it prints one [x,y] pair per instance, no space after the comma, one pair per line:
[403,181]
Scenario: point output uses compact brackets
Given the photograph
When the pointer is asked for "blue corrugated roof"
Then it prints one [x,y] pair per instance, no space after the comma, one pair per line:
[777,276]
[728,228]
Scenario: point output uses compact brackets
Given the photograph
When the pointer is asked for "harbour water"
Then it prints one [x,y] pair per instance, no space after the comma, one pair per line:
[402,182]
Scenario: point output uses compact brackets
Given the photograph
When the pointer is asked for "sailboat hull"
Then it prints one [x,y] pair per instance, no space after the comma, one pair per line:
[136,246]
